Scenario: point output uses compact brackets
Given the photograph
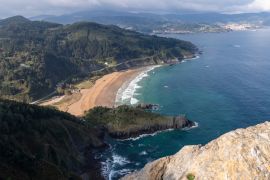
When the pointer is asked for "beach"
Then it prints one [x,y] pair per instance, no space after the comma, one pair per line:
[102,93]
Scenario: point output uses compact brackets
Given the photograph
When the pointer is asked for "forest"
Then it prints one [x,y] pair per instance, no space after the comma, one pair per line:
[35,56]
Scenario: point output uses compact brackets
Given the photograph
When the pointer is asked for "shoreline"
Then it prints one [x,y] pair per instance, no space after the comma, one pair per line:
[104,92]
[110,90]
[125,94]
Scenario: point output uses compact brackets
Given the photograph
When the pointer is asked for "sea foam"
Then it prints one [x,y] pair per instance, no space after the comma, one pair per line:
[109,166]
[145,135]
[155,133]
[192,127]
[125,95]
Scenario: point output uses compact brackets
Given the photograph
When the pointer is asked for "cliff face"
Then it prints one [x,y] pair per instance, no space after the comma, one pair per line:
[151,127]
[124,121]
[240,154]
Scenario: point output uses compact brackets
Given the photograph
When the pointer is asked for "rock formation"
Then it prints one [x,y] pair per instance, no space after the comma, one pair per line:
[125,121]
[243,154]
[178,122]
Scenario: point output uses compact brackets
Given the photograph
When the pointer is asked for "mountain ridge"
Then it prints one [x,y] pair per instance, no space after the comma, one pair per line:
[46,54]
[151,22]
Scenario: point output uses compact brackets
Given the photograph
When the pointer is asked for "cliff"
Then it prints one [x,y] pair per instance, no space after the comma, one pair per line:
[240,154]
[124,121]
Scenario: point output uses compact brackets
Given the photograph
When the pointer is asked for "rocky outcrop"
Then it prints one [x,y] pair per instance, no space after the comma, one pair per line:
[152,127]
[148,106]
[243,154]
[125,121]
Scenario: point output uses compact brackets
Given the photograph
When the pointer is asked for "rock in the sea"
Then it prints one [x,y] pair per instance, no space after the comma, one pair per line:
[243,154]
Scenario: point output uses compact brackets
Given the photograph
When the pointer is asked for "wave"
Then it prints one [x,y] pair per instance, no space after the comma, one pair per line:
[143,153]
[192,127]
[155,133]
[145,135]
[125,95]
[189,59]
[119,160]
[109,166]
[196,57]
[183,61]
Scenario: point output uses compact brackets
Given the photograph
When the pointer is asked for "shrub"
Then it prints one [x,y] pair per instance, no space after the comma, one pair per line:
[190,176]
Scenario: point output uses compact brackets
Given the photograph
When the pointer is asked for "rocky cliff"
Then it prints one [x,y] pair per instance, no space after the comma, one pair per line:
[125,122]
[240,154]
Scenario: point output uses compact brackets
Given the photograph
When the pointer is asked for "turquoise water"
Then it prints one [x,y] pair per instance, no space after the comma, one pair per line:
[228,87]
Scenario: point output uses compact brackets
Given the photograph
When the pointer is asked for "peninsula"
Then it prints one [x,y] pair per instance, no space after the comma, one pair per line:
[44,143]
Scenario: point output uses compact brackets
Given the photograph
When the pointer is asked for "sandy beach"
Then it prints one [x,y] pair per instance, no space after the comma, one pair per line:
[102,93]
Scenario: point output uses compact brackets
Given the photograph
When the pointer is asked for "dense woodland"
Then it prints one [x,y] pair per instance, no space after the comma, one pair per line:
[121,117]
[43,143]
[125,121]
[35,56]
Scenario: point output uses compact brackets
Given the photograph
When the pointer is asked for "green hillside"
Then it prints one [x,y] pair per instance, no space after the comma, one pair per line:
[35,56]
[125,121]
[42,143]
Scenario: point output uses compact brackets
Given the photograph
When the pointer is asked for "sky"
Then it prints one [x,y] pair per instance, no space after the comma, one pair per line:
[31,8]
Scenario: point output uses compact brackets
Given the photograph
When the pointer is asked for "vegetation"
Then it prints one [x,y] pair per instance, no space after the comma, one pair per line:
[126,121]
[35,56]
[43,143]
[190,176]
[122,118]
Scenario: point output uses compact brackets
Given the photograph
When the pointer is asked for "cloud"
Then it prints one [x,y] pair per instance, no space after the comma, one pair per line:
[259,5]
[37,7]
[252,6]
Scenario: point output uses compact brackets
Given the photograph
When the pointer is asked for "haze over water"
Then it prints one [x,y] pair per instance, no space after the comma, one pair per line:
[228,87]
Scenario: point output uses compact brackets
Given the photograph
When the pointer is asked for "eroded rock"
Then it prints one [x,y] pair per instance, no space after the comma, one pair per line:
[243,154]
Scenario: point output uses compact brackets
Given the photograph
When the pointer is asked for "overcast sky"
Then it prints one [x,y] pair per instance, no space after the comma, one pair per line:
[56,7]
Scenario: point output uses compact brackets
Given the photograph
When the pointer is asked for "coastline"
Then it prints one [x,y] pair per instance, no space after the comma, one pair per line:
[104,92]
[125,94]
[110,90]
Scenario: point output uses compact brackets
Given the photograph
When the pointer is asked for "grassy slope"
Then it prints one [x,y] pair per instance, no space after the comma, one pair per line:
[42,143]
[123,118]
[35,56]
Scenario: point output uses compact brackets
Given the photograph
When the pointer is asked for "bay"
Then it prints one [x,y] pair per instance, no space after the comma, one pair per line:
[226,88]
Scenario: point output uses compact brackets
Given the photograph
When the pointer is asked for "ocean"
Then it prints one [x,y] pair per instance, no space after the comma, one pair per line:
[226,88]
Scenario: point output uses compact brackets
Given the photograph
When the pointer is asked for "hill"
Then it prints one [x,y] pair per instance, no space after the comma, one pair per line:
[35,56]
[180,22]
[124,122]
[43,143]
[122,17]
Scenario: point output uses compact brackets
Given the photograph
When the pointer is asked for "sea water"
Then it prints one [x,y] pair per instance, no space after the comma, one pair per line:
[227,87]
[127,93]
